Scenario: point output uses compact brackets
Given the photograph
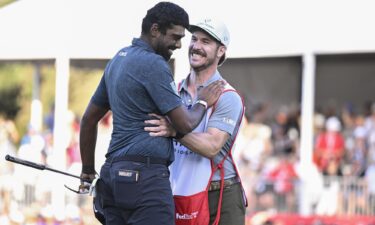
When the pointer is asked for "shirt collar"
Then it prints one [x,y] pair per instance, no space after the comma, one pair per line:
[183,84]
[141,43]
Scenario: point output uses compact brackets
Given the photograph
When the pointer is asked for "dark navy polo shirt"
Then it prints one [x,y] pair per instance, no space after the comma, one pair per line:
[136,82]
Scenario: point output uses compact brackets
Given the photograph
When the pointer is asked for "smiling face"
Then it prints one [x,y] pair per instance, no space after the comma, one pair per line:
[170,41]
[204,51]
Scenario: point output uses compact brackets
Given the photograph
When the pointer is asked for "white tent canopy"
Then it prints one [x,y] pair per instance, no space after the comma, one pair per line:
[98,28]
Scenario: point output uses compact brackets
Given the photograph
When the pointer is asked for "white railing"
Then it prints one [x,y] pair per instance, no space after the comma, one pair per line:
[345,196]
[341,196]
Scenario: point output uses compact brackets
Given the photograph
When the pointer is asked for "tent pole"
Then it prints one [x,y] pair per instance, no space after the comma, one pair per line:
[60,132]
[36,104]
[308,174]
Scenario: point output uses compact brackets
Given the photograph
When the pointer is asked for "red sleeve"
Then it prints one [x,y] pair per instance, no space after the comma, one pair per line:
[320,141]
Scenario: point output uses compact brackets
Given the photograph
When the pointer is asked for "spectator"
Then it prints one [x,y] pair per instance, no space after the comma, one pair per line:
[358,154]
[319,121]
[256,148]
[370,131]
[49,120]
[8,137]
[283,177]
[257,144]
[73,152]
[370,179]
[329,144]
[281,140]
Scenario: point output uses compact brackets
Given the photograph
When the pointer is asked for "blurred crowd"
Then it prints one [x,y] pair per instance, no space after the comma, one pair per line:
[267,155]
[341,180]
[26,194]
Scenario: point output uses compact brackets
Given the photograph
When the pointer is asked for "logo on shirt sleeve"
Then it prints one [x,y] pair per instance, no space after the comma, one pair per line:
[174,88]
[122,53]
[229,121]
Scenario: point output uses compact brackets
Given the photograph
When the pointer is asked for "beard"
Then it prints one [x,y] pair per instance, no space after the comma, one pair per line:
[208,61]
[165,51]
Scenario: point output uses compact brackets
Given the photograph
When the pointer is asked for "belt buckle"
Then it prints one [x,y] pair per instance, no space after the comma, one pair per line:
[231,181]
[215,185]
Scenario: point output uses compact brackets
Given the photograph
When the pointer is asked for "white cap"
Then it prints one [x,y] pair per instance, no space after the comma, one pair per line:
[215,29]
[333,124]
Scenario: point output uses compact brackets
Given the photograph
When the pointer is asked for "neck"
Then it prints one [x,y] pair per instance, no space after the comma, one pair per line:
[199,77]
[147,39]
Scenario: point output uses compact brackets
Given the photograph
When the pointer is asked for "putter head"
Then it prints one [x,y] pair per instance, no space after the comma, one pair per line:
[79,191]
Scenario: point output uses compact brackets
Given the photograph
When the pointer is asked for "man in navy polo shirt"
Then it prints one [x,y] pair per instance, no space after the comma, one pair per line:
[134,185]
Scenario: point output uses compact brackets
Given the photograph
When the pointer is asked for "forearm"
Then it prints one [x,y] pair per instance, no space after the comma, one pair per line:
[202,143]
[88,135]
[184,120]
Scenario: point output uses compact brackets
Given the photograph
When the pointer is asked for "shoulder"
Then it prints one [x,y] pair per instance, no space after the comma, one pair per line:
[143,56]
[156,64]
[229,103]
[153,65]
[230,96]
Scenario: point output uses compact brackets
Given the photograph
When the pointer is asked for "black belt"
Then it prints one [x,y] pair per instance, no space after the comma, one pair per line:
[139,158]
[215,185]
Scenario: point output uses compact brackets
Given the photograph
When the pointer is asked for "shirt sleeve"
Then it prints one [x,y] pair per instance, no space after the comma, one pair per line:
[100,96]
[227,112]
[161,87]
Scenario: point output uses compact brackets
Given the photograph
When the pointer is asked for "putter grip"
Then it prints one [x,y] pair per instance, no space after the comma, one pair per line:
[25,162]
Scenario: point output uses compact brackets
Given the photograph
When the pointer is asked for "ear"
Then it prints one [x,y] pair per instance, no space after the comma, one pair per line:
[221,51]
[154,30]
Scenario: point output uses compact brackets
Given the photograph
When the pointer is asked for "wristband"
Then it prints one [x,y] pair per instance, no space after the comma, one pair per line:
[204,103]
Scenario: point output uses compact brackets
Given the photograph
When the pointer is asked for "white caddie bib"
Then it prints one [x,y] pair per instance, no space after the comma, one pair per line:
[190,172]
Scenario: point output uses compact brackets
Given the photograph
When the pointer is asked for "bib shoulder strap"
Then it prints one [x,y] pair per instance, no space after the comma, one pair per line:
[228,88]
[179,85]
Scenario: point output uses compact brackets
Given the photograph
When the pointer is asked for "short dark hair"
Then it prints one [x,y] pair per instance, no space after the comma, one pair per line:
[165,14]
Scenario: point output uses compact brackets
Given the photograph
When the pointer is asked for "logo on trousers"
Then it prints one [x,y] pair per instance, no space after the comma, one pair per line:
[186,216]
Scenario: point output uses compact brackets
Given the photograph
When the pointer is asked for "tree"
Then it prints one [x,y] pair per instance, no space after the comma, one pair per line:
[10,101]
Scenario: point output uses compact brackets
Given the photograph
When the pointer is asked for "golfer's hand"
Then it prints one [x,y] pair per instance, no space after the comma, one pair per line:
[159,127]
[212,92]
[85,186]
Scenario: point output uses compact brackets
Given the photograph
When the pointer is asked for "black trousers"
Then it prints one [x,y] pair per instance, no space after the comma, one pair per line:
[136,193]
[232,208]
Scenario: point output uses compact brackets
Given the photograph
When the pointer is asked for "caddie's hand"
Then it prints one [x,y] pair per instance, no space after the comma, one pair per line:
[159,127]
[85,185]
[212,92]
